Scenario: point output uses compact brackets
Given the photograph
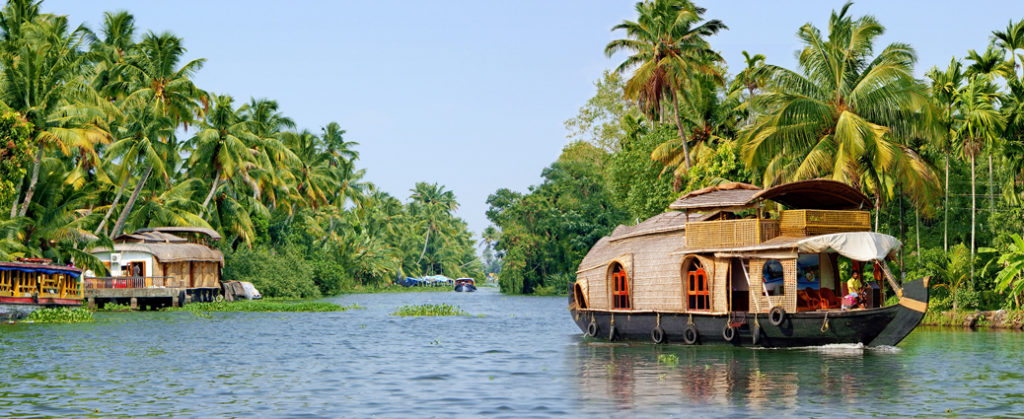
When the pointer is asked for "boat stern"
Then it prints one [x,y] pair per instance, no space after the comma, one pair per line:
[912,307]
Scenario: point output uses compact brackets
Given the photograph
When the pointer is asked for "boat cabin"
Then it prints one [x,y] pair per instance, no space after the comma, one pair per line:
[738,248]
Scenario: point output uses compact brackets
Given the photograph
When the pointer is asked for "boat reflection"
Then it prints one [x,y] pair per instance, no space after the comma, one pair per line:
[659,377]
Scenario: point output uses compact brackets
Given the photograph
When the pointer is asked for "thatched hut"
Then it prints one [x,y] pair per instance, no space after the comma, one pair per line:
[158,258]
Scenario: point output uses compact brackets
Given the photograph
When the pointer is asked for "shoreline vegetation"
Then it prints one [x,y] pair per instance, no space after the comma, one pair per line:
[994,319]
[264,306]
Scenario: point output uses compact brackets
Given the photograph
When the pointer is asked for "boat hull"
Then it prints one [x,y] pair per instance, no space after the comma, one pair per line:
[885,326]
[465,288]
[17,308]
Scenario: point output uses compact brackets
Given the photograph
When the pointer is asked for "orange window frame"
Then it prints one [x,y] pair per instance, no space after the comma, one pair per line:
[620,289]
[697,291]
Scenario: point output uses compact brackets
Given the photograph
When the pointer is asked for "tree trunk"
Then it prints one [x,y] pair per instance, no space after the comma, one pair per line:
[945,210]
[878,209]
[216,179]
[117,198]
[991,190]
[427,240]
[917,230]
[131,202]
[973,196]
[32,183]
[679,126]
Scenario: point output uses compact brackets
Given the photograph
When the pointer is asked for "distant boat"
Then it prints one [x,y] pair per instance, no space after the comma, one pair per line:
[30,284]
[465,285]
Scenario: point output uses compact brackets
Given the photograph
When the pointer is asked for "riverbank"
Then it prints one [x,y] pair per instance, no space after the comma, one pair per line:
[997,319]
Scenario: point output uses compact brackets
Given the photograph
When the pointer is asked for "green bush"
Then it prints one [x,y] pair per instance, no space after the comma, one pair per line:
[330,277]
[275,274]
[966,298]
[556,284]
[263,306]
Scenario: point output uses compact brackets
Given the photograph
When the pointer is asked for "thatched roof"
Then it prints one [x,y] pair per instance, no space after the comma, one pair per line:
[169,252]
[661,223]
[820,194]
[150,237]
[726,195]
[198,230]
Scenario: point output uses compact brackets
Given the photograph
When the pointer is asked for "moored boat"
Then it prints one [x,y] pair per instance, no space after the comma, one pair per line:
[738,265]
[465,285]
[29,284]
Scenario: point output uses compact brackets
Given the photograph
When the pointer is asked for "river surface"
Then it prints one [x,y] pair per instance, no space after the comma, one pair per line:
[515,357]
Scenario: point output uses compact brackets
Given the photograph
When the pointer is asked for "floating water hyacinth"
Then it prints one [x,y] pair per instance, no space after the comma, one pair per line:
[429,310]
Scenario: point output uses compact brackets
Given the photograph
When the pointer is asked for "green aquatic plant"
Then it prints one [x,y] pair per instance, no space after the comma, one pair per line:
[430,310]
[668,359]
[60,315]
[264,306]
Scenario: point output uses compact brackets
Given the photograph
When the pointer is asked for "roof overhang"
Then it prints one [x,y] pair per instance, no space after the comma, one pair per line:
[819,194]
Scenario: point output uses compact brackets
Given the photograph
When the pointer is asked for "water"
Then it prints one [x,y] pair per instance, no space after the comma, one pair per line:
[522,358]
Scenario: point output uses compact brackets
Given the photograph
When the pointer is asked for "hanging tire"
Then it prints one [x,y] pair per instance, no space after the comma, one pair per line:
[611,333]
[729,333]
[690,336]
[658,335]
[776,316]
[592,329]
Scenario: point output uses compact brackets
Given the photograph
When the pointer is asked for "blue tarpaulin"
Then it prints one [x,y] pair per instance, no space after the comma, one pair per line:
[40,269]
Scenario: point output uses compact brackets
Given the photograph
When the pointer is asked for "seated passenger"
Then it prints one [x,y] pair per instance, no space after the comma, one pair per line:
[855,287]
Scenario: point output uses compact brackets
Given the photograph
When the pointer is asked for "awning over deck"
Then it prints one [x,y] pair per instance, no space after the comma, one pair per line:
[860,246]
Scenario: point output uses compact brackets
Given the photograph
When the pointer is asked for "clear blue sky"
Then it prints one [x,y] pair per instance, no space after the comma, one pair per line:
[473,94]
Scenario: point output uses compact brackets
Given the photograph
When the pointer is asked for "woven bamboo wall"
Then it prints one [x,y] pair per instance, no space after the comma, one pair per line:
[719,287]
[815,222]
[763,303]
[657,284]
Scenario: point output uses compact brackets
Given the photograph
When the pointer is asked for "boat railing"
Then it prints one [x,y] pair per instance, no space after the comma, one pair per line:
[815,222]
[730,233]
[108,282]
[15,283]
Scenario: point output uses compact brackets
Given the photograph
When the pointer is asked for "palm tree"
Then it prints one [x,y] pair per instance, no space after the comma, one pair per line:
[667,46]
[991,65]
[41,59]
[223,145]
[944,88]
[153,85]
[749,77]
[842,117]
[1011,39]
[980,121]
[433,206]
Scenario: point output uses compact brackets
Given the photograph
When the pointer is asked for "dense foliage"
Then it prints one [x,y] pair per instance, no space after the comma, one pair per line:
[943,156]
[107,133]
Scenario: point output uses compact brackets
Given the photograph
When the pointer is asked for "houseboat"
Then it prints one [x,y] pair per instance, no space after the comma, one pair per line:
[29,284]
[465,285]
[740,265]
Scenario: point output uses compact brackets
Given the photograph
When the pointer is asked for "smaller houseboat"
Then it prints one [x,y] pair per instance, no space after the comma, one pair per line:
[29,284]
[465,285]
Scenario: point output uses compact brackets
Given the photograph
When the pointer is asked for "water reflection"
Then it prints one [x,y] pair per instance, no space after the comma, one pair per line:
[758,381]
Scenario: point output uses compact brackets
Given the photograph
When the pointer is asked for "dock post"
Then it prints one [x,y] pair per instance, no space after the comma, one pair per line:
[92,303]
[134,303]
[174,301]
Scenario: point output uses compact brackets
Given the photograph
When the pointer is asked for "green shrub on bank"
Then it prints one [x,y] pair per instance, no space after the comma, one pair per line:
[274,274]
[60,315]
[430,310]
[555,284]
[263,306]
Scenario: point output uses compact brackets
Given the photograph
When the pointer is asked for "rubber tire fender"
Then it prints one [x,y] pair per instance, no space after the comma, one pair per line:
[658,335]
[776,316]
[690,335]
[729,333]
[592,329]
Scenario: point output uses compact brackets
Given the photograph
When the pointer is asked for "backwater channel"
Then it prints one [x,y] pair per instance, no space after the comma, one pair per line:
[515,357]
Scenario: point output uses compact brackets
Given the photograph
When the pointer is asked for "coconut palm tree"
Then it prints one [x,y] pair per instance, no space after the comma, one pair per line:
[223,145]
[990,64]
[945,84]
[432,206]
[667,46]
[979,122]
[843,115]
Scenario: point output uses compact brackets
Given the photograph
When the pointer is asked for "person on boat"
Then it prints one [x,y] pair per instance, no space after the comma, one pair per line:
[854,287]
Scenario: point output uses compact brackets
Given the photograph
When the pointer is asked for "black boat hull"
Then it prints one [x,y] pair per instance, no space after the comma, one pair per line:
[885,326]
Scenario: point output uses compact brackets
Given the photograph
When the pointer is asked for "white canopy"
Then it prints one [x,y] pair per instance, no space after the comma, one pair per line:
[860,246]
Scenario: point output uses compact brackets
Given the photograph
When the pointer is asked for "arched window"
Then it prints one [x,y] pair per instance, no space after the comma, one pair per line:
[581,300]
[697,296]
[620,288]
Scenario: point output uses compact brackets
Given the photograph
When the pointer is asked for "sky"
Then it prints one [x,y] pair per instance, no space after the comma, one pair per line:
[473,95]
